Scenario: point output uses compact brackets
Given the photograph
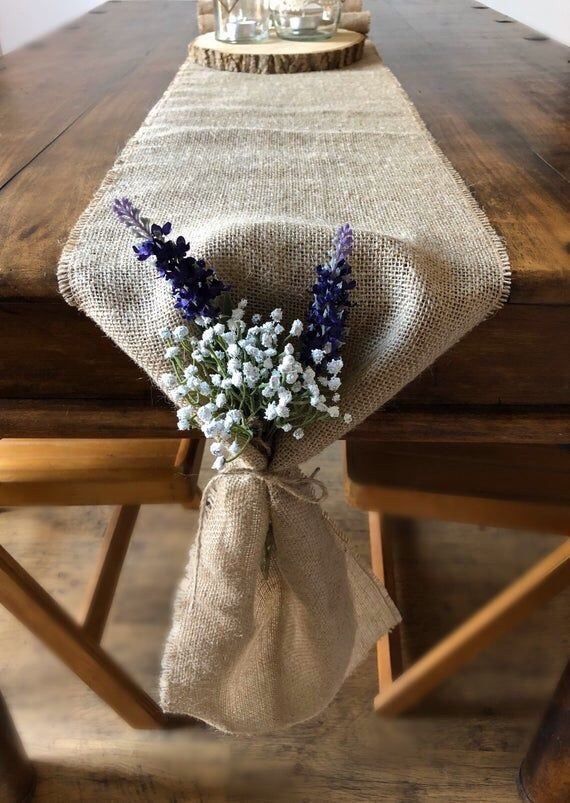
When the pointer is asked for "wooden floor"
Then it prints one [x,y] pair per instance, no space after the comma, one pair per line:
[464,743]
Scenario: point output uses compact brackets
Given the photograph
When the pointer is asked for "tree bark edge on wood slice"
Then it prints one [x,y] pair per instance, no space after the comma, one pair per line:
[278,56]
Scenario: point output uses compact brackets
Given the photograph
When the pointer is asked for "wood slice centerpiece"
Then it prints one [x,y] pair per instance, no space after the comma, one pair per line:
[278,55]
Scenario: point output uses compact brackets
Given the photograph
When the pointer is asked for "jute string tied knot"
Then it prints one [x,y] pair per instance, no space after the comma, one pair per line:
[314,493]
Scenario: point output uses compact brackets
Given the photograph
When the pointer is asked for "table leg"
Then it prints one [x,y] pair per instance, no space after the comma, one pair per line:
[17,776]
[545,772]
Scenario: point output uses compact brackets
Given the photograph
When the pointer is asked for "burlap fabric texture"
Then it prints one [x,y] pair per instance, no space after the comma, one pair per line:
[257,171]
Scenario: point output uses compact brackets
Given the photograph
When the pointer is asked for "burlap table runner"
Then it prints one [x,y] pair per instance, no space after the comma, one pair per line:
[256,171]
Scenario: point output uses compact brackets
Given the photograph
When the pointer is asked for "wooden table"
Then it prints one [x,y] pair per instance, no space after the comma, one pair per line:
[492,95]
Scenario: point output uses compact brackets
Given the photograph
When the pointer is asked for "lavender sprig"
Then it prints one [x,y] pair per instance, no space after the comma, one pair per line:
[328,312]
[131,217]
[195,287]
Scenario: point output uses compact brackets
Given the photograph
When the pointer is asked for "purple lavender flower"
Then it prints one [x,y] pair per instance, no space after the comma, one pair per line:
[328,312]
[131,217]
[195,287]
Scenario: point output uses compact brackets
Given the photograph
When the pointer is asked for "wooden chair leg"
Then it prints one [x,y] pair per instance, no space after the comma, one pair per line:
[536,586]
[113,551]
[47,620]
[17,776]
[388,649]
[545,771]
[188,462]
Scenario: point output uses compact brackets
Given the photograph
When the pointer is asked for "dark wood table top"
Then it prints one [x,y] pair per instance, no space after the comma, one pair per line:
[493,98]
[492,94]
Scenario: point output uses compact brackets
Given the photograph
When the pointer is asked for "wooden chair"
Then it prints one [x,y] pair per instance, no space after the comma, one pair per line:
[507,486]
[123,473]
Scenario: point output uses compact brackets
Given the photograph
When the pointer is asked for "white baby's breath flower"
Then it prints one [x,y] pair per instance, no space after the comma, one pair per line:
[336,397]
[276,314]
[271,411]
[279,329]
[205,413]
[172,352]
[334,412]
[219,329]
[189,371]
[237,379]
[181,391]
[168,381]
[296,328]
[334,366]
[287,363]
[243,303]
[282,411]
[165,334]
[286,427]
[334,383]
[216,380]
[234,448]
[298,433]
[233,417]
[251,373]
[216,448]
[233,350]
[180,333]
[317,355]
[221,400]
[183,423]
[289,349]
[219,463]
[347,418]
[204,388]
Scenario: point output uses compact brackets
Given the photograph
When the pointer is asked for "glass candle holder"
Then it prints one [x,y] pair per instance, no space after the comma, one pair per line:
[305,19]
[241,21]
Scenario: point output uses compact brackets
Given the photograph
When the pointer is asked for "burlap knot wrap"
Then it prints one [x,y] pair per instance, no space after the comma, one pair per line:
[257,171]
[275,633]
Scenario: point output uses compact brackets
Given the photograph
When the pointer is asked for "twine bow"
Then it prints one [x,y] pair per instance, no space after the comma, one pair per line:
[316,492]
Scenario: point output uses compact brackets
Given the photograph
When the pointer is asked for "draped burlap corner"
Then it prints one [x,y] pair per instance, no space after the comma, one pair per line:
[257,171]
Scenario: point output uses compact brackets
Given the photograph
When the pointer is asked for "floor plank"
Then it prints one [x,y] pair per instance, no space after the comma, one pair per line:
[462,744]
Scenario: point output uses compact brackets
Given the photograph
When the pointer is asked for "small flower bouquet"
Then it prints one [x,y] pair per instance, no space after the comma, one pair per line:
[274,610]
[242,383]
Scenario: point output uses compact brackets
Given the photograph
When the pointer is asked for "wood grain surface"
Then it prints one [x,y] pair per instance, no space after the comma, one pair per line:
[463,745]
[494,100]
[278,55]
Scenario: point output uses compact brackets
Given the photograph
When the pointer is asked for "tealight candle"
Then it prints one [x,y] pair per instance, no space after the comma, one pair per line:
[240,28]
[306,22]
